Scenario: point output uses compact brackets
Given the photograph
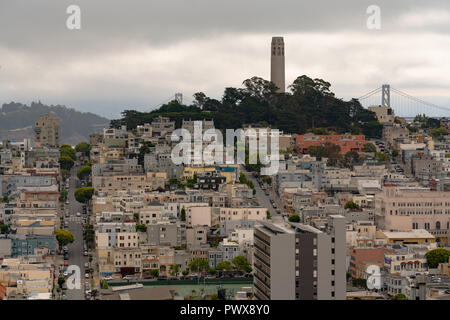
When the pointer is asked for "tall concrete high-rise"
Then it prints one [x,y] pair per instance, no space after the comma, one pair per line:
[294,261]
[277,63]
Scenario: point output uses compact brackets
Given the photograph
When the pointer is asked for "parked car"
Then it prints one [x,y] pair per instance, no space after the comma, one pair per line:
[129,277]
[78,214]
[108,278]
[162,277]
[86,275]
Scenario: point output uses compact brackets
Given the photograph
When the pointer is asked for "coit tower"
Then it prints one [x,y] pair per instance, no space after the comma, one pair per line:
[277,63]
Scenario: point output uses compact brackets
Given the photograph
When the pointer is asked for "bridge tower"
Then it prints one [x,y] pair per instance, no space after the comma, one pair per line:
[386,95]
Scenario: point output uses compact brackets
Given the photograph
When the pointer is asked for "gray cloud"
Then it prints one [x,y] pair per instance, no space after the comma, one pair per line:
[138,53]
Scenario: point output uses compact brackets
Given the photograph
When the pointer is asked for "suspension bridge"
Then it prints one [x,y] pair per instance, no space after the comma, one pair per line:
[403,104]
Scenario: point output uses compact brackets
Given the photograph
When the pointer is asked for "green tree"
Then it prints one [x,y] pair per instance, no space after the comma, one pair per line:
[4,228]
[183,215]
[359,282]
[382,157]
[399,296]
[268,214]
[141,228]
[143,150]
[369,147]
[351,205]
[63,195]
[84,172]
[61,281]
[65,162]
[84,194]
[394,153]
[105,285]
[224,266]
[64,237]
[436,256]
[240,263]
[198,264]
[294,218]
[83,147]
[174,269]
[439,133]
[155,273]
[350,159]
[67,150]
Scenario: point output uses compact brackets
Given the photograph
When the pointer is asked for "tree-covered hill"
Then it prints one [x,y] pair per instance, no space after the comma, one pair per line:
[17,121]
[308,104]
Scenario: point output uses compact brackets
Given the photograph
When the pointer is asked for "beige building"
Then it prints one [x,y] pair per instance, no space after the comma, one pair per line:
[128,183]
[245,213]
[47,130]
[385,115]
[398,208]
[25,277]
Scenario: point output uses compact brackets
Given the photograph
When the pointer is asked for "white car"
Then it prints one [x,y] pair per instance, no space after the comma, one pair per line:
[66,273]
[78,214]
[86,275]
[107,278]
[86,265]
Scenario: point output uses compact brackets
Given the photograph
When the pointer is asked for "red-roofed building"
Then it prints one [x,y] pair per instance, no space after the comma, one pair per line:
[347,142]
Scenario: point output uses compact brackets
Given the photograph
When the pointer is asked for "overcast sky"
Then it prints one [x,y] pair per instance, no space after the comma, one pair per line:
[136,54]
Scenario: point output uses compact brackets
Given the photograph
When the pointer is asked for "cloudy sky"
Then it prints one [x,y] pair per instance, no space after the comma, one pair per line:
[137,54]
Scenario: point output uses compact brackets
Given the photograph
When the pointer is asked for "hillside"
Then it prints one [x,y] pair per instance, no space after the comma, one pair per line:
[17,120]
[309,105]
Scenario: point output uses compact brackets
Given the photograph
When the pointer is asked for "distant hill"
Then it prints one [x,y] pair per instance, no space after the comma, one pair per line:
[17,121]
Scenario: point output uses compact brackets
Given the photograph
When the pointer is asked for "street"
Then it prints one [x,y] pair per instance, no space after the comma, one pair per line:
[76,248]
[260,194]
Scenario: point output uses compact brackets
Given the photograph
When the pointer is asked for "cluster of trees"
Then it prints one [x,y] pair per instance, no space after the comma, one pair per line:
[437,256]
[333,153]
[6,199]
[308,104]
[426,122]
[89,237]
[238,263]
[434,126]
[67,157]
[84,194]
